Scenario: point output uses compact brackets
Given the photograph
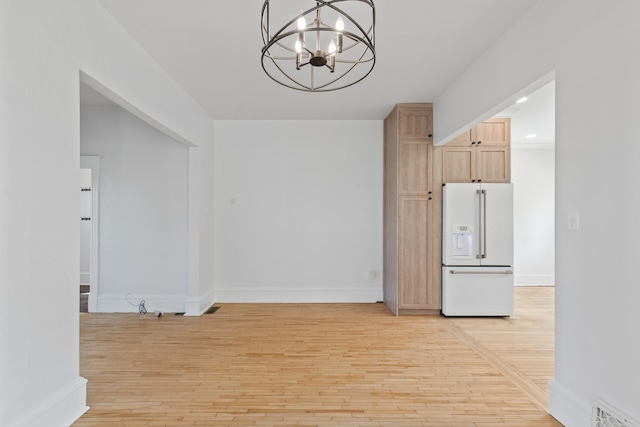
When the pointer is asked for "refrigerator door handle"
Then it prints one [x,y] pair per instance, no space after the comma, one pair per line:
[484,223]
[479,255]
[480,272]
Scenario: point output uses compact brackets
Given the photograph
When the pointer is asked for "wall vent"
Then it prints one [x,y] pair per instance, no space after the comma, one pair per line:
[605,415]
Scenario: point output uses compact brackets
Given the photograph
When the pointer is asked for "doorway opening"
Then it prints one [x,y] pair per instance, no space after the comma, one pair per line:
[143,209]
[533,178]
[533,148]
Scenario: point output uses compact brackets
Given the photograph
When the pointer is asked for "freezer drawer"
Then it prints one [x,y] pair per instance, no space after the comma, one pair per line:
[477,291]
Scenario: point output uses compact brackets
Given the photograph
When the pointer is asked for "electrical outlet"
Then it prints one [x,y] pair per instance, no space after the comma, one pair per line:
[572,221]
[372,274]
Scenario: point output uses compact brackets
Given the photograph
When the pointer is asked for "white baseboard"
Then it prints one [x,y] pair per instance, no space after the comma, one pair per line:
[117,303]
[568,408]
[534,279]
[197,306]
[92,302]
[297,295]
[61,409]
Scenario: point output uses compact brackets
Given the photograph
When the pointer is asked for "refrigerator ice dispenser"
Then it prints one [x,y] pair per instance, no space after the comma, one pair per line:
[462,242]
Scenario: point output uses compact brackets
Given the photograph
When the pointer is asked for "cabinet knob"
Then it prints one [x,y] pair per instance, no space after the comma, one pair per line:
[479,180]
[429,192]
[429,198]
[473,180]
[473,142]
[430,135]
[479,142]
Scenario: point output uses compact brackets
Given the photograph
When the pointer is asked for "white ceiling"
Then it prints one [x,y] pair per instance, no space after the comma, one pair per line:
[535,116]
[212,49]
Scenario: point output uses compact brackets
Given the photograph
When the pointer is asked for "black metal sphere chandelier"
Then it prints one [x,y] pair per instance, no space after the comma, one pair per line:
[307,53]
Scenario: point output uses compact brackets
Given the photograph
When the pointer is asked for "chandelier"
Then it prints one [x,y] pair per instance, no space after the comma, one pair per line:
[328,46]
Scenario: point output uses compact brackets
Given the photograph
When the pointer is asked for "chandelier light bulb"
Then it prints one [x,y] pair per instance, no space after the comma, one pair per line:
[298,46]
[302,24]
[332,47]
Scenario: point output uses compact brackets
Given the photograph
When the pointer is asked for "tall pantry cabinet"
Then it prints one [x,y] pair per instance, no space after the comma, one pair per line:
[412,211]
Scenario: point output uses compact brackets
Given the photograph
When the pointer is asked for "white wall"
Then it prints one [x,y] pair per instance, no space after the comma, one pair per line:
[594,48]
[533,175]
[298,211]
[201,230]
[43,45]
[143,211]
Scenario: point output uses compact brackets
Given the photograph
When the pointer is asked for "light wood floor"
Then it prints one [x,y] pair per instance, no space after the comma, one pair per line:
[320,365]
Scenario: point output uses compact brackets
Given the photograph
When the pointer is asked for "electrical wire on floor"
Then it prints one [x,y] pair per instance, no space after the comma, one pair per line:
[142,309]
[127,295]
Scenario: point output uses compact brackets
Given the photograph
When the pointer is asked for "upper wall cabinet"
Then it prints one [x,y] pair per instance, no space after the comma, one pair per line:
[414,123]
[482,154]
[414,148]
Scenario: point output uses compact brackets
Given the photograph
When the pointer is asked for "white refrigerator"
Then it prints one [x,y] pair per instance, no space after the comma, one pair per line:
[477,250]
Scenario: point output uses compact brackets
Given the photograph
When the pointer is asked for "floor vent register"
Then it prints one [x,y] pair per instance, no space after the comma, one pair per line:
[605,415]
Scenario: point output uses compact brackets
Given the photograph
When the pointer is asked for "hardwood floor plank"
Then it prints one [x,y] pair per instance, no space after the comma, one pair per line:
[318,364]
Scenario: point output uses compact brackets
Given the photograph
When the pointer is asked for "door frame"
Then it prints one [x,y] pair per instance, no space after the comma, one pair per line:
[93,163]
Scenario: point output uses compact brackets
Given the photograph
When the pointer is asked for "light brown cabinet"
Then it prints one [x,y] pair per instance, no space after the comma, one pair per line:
[482,154]
[412,211]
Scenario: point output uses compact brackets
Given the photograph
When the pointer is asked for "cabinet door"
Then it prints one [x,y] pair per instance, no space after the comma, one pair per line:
[458,164]
[493,163]
[414,167]
[415,278]
[481,155]
[492,132]
[463,140]
[415,123]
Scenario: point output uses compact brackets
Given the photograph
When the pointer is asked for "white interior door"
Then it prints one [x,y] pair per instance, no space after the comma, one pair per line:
[93,164]
[86,203]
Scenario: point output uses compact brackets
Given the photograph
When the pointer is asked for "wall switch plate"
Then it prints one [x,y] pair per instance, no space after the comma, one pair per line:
[372,274]
[572,221]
